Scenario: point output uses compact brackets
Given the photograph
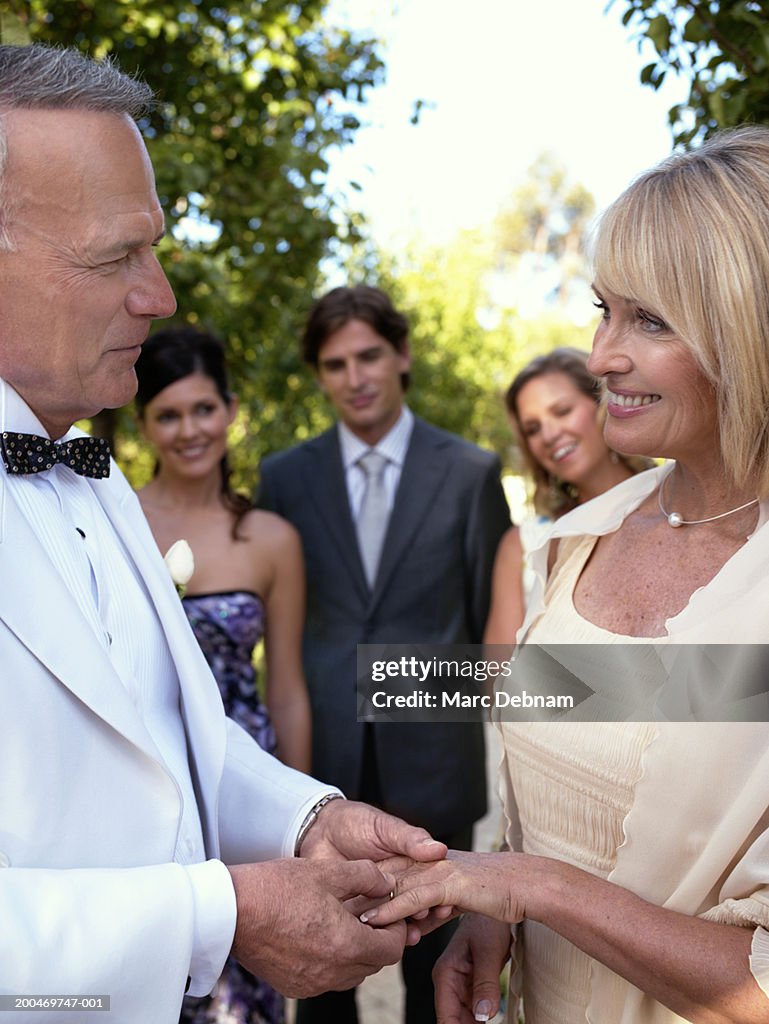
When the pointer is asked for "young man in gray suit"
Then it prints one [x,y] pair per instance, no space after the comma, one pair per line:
[399,522]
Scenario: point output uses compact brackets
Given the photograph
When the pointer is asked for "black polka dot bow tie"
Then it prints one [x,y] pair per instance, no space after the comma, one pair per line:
[28,453]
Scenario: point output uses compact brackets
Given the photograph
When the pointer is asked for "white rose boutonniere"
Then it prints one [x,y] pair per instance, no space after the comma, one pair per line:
[180,563]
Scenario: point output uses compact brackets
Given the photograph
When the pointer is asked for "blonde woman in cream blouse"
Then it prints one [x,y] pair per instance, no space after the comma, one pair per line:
[639,889]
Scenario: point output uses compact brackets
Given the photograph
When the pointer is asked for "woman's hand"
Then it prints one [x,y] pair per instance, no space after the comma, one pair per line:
[493,884]
[697,968]
[466,976]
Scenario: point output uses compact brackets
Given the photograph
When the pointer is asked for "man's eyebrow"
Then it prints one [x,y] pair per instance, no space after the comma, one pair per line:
[130,244]
[362,354]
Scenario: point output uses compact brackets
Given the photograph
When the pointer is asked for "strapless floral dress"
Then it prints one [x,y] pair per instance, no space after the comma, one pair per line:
[228,626]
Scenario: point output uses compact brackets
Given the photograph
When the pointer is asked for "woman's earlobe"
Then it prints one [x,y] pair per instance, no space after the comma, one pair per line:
[233,406]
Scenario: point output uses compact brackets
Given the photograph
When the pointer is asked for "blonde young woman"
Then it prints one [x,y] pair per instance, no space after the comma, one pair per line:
[248,583]
[553,405]
[640,881]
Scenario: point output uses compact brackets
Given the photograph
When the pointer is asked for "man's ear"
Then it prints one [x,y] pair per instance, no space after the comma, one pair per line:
[404,357]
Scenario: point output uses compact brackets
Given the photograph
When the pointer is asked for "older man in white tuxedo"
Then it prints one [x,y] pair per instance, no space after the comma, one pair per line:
[142,836]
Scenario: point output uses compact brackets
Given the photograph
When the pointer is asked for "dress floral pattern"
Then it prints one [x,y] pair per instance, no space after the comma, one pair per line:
[228,626]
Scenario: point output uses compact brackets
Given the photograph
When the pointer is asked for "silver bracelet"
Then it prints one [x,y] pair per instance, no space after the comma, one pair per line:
[312,817]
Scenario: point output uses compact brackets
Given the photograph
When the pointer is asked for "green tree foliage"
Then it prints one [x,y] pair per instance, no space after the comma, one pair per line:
[548,213]
[541,233]
[458,361]
[252,95]
[721,48]
[470,332]
[467,342]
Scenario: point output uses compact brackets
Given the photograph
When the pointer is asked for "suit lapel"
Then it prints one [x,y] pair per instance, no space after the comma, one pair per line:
[200,705]
[424,469]
[39,610]
[326,487]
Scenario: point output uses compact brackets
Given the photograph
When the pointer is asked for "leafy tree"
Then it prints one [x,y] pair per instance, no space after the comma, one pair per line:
[252,96]
[541,233]
[470,332]
[467,344]
[458,366]
[546,214]
[721,48]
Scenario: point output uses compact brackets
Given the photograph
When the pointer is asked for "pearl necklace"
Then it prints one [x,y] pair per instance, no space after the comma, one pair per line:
[675,519]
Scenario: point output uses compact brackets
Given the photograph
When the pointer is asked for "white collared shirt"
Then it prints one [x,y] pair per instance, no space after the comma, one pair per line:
[394,446]
[108,590]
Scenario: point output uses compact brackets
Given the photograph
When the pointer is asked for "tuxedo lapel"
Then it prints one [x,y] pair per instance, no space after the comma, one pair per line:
[326,488]
[200,702]
[424,469]
[38,609]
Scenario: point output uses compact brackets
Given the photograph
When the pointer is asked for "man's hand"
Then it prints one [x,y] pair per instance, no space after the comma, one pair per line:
[294,931]
[349,830]
[466,976]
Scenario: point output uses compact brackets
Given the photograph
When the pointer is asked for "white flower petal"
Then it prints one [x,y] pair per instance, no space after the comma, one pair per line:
[180,562]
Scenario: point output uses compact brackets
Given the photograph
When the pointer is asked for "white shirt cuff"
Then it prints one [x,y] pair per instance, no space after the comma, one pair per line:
[215,917]
[759,959]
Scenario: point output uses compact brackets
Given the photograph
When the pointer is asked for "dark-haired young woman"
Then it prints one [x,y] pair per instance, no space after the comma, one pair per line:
[248,582]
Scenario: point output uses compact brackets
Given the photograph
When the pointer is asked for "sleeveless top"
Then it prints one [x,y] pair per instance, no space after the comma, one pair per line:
[228,626]
[573,785]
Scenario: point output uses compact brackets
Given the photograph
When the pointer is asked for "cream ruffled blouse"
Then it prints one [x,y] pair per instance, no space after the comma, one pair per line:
[677,812]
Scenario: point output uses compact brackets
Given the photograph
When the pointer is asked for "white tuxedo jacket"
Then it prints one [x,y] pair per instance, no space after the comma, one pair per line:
[90,899]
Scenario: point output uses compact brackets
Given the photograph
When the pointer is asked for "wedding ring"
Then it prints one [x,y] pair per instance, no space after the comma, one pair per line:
[392,894]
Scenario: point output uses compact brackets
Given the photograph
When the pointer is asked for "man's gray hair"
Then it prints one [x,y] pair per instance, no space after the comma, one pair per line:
[51,78]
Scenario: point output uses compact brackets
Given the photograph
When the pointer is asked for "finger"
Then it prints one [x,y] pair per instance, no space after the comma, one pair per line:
[406,904]
[435,917]
[349,879]
[386,948]
[485,999]
[452,998]
[359,906]
[485,1009]
[396,865]
[381,946]
[419,926]
[398,837]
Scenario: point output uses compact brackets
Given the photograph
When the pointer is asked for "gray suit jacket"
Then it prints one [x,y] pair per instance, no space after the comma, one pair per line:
[433,586]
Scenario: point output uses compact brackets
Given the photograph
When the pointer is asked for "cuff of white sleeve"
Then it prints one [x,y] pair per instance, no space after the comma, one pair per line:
[759,959]
[215,918]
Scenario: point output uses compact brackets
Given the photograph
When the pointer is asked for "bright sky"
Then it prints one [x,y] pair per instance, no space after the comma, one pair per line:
[508,79]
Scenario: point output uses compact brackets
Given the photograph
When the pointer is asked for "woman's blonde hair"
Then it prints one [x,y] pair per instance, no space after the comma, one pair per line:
[552,496]
[689,242]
